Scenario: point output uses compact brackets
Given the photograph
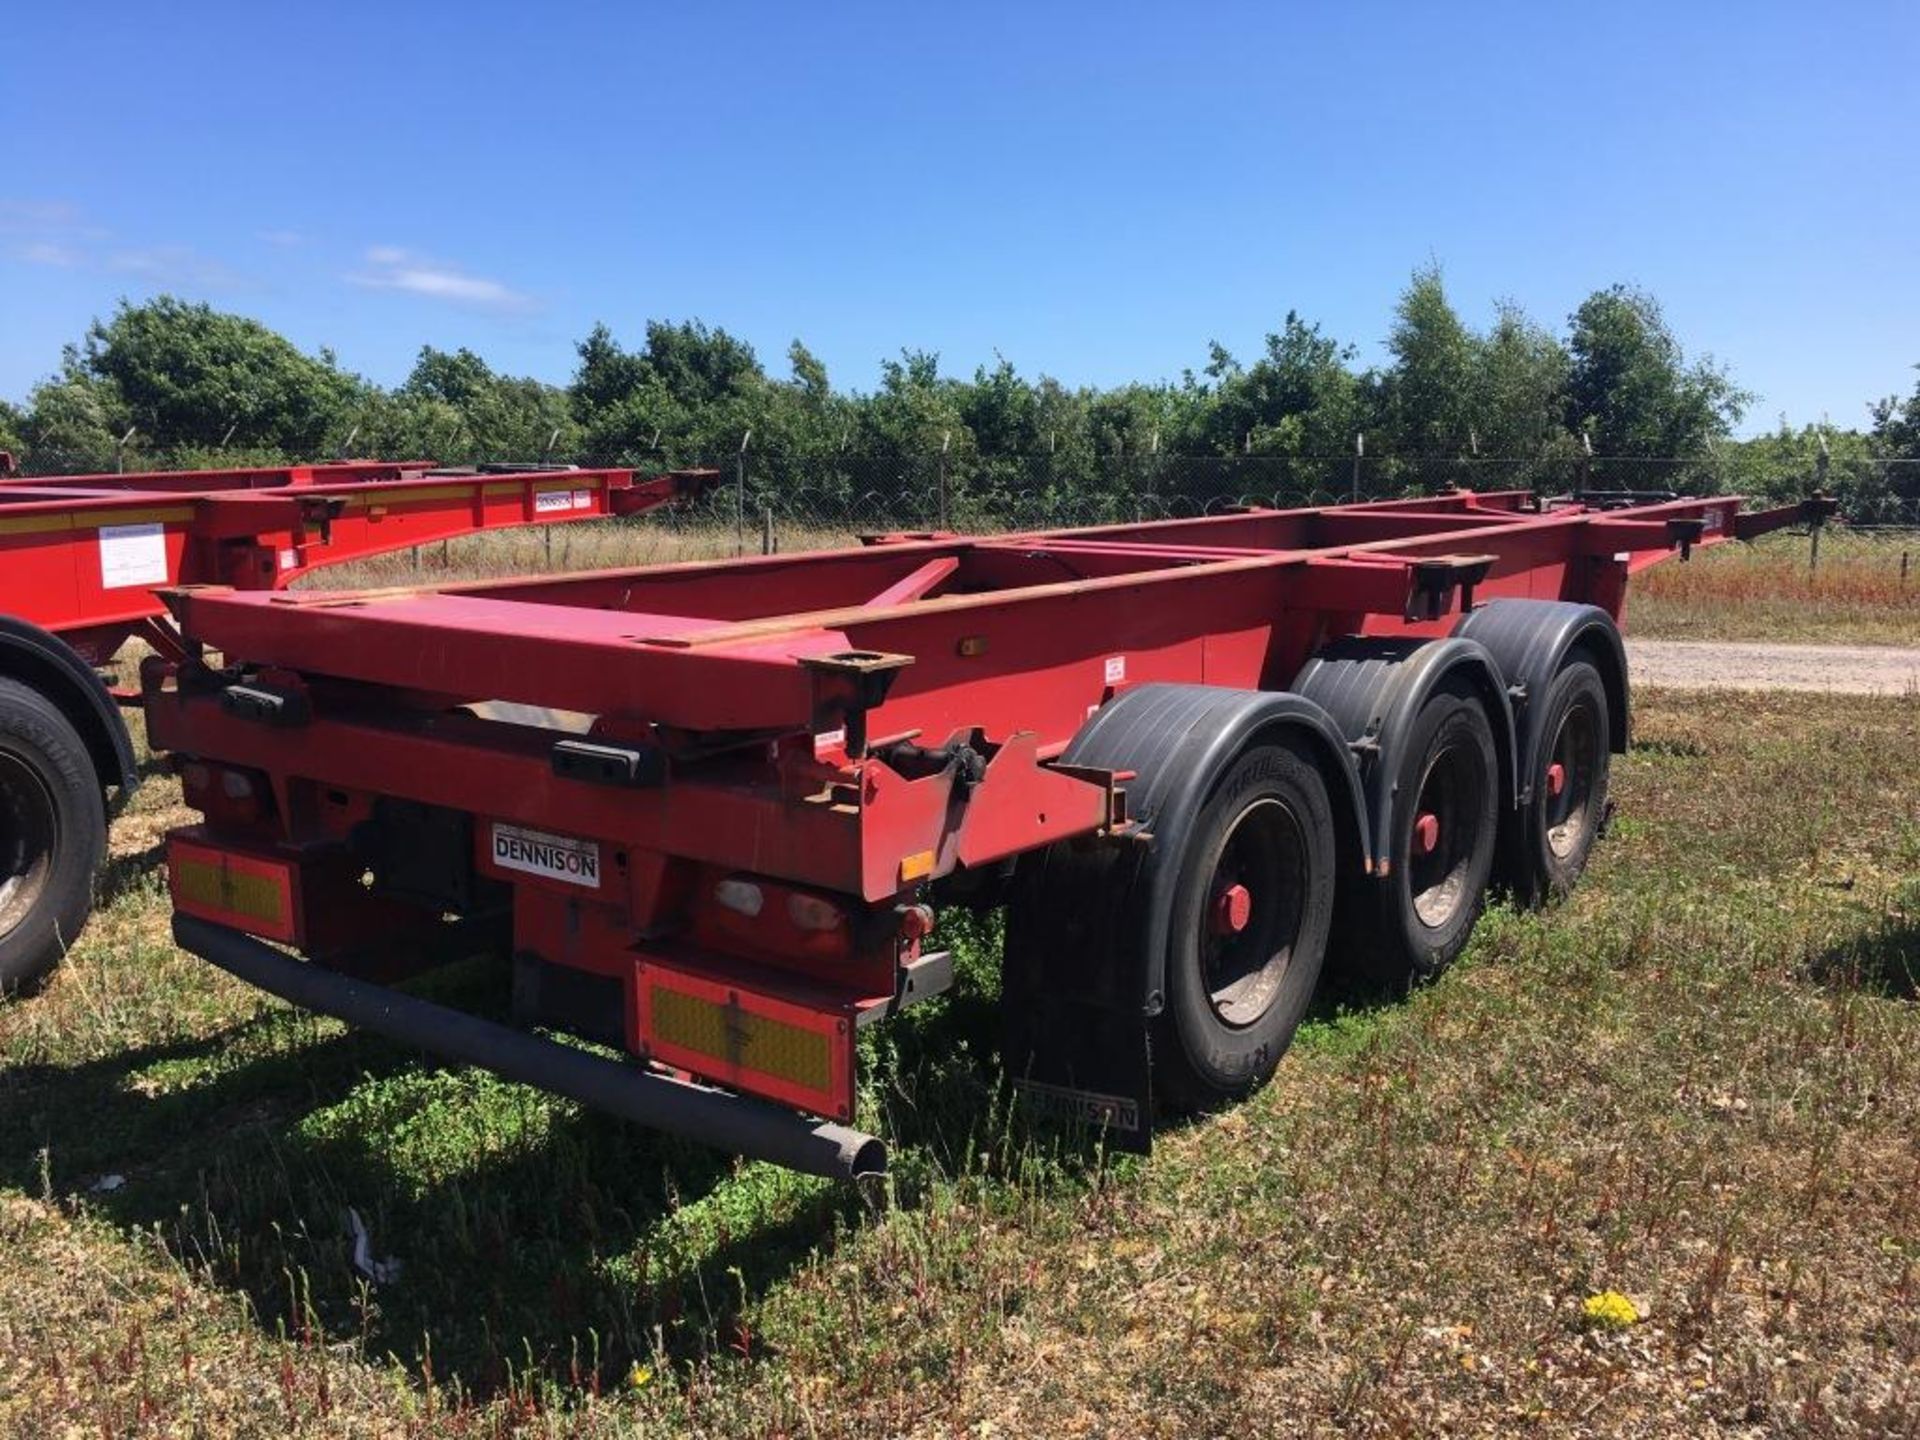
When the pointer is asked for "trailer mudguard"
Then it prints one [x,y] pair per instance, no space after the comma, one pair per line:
[1177,739]
[1372,688]
[1530,640]
[1085,958]
[43,661]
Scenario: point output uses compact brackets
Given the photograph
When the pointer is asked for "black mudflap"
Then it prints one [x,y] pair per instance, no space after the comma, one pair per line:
[1073,992]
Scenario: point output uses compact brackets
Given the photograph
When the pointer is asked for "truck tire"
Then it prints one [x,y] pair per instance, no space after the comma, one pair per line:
[1252,908]
[1440,850]
[1552,834]
[53,828]
[1166,969]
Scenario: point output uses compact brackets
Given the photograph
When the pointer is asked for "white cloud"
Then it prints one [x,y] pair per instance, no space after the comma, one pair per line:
[58,234]
[176,265]
[47,232]
[393,268]
[48,252]
[38,217]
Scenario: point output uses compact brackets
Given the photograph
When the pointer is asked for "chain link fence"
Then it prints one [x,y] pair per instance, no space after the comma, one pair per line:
[769,501]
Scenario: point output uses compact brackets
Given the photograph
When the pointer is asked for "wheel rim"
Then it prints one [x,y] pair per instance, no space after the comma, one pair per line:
[1444,836]
[1253,911]
[29,832]
[1567,783]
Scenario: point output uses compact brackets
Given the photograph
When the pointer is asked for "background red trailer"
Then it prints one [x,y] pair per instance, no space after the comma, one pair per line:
[80,559]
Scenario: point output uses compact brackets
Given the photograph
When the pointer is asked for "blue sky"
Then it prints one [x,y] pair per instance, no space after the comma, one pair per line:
[1092,191]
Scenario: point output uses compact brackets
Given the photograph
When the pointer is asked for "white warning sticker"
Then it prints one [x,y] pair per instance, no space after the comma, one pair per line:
[558,857]
[132,555]
[1116,669]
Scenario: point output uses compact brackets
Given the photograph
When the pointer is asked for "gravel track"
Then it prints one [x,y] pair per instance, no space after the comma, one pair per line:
[1727,665]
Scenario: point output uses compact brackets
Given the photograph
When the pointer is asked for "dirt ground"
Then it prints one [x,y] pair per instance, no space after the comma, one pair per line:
[1728,665]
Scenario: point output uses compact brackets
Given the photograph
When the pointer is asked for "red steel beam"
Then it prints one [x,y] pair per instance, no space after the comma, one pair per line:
[622,642]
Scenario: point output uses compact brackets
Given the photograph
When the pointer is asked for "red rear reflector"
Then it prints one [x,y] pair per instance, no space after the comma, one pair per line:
[229,888]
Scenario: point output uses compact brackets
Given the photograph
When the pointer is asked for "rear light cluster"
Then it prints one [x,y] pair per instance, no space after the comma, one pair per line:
[806,911]
[221,792]
[766,920]
[742,897]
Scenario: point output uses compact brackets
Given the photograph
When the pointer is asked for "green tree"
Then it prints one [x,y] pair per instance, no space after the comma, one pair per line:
[809,416]
[11,429]
[1432,388]
[692,392]
[73,421]
[1520,390]
[189,375]
[461,408]
[1300,398]
[1896,425]
[915,411]
[1631,388]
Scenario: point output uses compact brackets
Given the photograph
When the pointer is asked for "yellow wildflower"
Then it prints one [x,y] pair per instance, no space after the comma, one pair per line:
[638,1376]
[1610,1310]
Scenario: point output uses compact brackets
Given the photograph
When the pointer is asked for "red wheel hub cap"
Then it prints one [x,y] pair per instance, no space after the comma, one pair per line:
[1426,834]
[1556,778]
[1232,909]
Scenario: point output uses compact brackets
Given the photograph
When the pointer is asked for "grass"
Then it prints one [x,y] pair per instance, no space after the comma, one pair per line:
[1864,591]
[1697,1085]
[583,545]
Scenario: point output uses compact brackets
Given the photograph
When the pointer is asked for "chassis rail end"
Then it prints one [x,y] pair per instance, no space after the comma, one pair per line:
[731,1122]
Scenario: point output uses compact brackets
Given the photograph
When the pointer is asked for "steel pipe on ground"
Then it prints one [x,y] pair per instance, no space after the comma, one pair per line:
[736,1123]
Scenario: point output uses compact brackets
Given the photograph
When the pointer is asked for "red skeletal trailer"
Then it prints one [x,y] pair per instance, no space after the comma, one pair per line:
[710,809]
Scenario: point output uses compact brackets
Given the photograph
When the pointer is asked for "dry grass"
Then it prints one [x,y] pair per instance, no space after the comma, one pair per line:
[584,545]
[1865,591]
[1697,1084]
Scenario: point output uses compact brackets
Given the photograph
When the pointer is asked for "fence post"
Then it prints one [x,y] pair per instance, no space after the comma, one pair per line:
[946,439]
[766,530]
[1821,463]
[1359,459]
[740,495]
